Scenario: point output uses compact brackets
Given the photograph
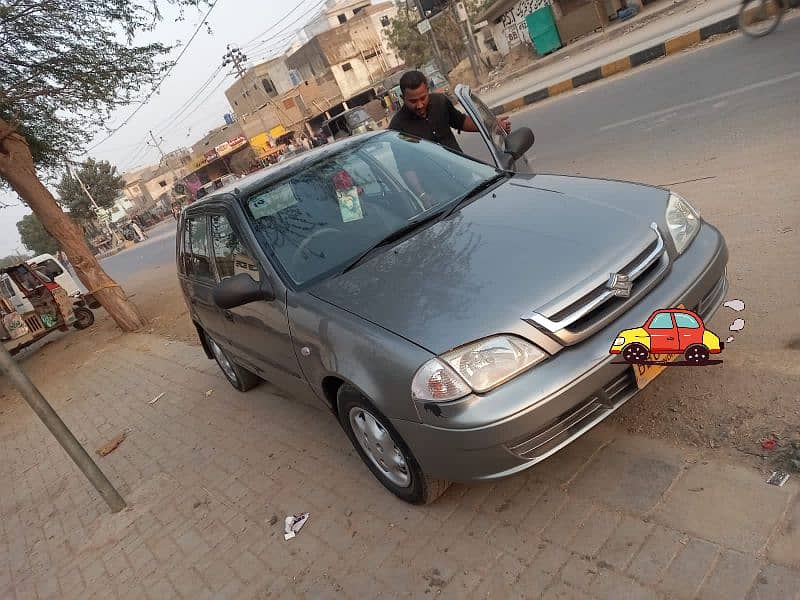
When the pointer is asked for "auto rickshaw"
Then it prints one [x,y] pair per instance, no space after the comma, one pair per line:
[32,306]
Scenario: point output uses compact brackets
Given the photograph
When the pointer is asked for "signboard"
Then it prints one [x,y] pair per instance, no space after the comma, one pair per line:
[210,155]
[424,26]
[222,149]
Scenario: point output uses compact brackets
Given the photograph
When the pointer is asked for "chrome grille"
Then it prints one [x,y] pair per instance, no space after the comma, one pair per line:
[596,308]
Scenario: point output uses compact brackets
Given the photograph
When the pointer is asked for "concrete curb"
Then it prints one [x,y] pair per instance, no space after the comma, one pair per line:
[666,48]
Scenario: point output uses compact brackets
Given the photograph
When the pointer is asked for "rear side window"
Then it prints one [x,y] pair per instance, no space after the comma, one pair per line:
[686,321]
[196,257]
[230,254]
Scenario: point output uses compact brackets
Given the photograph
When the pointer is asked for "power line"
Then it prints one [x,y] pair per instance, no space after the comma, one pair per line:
[305,14]
[158,85]
[192,97]
[289,14]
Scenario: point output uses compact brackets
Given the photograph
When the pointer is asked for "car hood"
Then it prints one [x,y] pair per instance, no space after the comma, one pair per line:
[513,250]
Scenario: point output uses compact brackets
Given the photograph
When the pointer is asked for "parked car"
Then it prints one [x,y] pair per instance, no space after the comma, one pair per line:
[457,333]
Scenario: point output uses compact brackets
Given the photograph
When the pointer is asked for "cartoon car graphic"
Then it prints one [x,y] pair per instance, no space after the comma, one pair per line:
[668,331]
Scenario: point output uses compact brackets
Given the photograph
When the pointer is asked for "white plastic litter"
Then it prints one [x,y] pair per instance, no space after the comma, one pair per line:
[292,524]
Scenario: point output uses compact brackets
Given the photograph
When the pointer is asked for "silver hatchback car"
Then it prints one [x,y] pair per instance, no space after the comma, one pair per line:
[458,332]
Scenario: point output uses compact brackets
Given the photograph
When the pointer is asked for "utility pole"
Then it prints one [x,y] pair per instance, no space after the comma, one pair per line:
[156,145]
[460,13]
[436,51]
[74,173]
[60,431]
[235,57]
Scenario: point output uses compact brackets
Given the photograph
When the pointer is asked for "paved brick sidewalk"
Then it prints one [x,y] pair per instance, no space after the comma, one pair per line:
[209,479]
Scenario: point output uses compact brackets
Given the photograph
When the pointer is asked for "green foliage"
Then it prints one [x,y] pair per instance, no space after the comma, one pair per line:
[405,39]
[12,259]
[103,183]
[34,237]
[68,64]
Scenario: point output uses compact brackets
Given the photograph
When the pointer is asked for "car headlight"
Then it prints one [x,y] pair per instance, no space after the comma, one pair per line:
[619,341]
[479,367]
[683,221]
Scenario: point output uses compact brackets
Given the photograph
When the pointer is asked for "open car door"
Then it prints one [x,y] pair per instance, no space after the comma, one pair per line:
[494,136]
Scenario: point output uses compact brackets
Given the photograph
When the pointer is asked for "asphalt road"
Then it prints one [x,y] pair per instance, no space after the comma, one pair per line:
[158,250]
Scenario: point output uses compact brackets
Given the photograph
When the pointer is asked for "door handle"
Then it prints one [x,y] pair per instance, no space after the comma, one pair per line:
[228,315]
[670,338]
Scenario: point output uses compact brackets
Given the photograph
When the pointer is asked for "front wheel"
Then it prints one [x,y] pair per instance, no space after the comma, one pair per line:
[696,354]
[758,18]
[83,317]
[635,353]
[384,451]
[237,376]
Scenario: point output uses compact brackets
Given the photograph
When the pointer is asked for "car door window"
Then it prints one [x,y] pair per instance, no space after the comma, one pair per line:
[686,321]
[231,255]
[662,321]
[197,259]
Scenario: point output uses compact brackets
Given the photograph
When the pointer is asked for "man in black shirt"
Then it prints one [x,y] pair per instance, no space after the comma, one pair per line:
[431,116]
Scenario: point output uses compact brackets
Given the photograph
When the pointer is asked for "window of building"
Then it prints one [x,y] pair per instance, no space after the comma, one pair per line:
[162,183]
[346,67]
[384,21]
[342,18]
[269,87]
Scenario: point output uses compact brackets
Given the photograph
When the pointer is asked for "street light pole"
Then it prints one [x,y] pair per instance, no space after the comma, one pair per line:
[91,199]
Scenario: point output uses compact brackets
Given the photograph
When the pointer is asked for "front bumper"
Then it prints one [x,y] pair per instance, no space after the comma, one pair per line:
[536,414]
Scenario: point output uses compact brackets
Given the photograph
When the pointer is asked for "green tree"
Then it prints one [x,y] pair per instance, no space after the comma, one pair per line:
[12,259]
[66,66]
[406,40]
[34,237]
[103,183]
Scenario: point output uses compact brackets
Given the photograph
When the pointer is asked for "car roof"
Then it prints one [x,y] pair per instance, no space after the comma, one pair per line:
[256,181]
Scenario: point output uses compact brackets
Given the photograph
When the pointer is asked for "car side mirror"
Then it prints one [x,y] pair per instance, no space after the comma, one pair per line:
[519,142]
[241,289]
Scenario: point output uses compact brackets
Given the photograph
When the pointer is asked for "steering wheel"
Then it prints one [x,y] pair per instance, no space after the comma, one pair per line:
[307,241]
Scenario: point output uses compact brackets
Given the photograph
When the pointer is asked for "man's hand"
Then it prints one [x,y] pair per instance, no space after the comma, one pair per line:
[505,123]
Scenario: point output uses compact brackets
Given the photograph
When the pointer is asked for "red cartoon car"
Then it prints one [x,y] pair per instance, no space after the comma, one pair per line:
[668,331]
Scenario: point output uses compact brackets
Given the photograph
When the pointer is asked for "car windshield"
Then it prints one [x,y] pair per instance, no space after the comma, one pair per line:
[327,213]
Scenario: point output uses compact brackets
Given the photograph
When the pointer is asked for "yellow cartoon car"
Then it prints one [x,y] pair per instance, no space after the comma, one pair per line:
[668,331]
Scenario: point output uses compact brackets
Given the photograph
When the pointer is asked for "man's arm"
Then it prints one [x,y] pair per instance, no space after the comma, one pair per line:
[462,122]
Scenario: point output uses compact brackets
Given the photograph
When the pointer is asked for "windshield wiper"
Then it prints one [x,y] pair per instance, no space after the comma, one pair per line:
[411,225]
[483,185]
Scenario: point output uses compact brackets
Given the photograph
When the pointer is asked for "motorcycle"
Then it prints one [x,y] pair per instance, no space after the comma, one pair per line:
[758,18]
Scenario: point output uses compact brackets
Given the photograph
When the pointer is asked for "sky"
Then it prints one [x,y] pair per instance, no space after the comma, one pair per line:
[189,103]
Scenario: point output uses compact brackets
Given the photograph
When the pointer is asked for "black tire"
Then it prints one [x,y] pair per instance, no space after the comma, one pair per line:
[696,354]
[421,488]
[84,317]
[239,377]
[635,352]
[764,23]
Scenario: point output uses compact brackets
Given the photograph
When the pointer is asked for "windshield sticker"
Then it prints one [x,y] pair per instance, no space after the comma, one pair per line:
[272,202]
[349,204]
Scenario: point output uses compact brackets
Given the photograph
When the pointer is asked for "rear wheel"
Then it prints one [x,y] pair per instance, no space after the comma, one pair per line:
[384,451]
[237,376]
[635,352]
[83,317]
[758,18]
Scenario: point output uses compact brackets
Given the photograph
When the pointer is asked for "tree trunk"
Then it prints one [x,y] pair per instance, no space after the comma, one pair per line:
[17,168]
